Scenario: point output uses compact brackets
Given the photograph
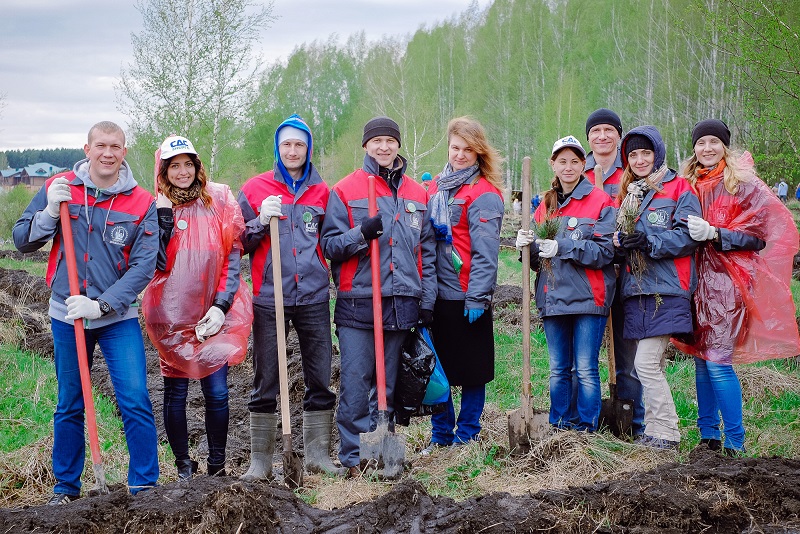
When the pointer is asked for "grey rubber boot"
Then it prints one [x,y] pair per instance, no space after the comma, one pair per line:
[263,431]
[317,443]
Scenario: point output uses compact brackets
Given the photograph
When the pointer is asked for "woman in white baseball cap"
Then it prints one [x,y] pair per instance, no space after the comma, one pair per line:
[574,292]
[197,310]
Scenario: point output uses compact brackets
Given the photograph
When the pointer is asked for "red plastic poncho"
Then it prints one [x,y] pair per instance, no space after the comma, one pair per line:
[743,303]
[178,297]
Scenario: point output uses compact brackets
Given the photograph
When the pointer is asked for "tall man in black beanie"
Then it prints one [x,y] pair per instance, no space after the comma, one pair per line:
[408,276]
[604,132]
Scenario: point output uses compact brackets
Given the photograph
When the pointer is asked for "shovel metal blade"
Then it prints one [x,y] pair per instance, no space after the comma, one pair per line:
[525,427]
[292,464]
[100,486]
[617,415]
[382,449]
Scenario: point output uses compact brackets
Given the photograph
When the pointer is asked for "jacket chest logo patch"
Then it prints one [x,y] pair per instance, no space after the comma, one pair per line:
[577,234]
[658,218]
[415,220]
[311,227]
[119,235]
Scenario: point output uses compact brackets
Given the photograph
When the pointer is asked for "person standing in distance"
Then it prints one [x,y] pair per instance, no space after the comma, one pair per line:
[115,230]
[295,193]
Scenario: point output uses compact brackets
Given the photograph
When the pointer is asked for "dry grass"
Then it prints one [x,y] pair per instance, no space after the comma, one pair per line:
[759,380]
[26,476]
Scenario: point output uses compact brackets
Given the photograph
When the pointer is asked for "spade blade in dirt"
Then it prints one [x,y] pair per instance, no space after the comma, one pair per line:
[525,426]
[383,450]
[292,464]
[615,413]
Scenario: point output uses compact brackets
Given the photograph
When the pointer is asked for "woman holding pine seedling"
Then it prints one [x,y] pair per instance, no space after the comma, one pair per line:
[658,276]
[573,252]
[743,301]
[466,210]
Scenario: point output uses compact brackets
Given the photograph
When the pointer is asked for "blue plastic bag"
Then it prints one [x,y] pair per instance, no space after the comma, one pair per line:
[438,389]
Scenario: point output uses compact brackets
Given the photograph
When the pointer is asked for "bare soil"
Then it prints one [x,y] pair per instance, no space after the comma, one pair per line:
[709,494]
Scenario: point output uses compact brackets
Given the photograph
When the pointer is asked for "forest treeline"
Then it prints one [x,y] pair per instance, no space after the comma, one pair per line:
[529,70]
[60,157]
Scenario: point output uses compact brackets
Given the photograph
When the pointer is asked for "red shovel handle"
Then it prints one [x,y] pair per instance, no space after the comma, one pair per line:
[80,336]
[377,308]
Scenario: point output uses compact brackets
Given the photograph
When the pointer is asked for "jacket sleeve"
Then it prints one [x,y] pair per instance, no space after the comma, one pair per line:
[427,242]
[229,280]
[35,227]
[730,240]
[677,242]
[254,231]
[598,250]
[166,225]
[338,241]
[485,217]
[141,264]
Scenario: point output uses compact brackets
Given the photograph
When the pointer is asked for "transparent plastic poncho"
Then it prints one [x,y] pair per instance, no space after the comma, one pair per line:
[743,303]
[178,297]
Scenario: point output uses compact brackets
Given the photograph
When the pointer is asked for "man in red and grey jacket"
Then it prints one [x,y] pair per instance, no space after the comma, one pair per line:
[115,230]
[408,275]
[604,132]
[295,193]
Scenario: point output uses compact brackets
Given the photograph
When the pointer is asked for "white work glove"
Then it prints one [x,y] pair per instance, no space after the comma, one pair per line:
[81,307]
[700,229]
[270,207]
[57,193]
[525,238]
[210,324]
[547,247]
[162,201]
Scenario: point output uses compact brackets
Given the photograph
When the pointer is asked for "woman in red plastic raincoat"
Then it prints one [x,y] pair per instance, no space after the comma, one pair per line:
[743,304]
[197,310]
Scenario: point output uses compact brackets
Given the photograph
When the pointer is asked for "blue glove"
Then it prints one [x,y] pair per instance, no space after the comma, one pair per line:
[473,315]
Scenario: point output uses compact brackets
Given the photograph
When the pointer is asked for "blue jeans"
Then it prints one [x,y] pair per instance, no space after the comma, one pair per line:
[719,392]
[473,399]
[312,322]
[574,340]
[358,398]
[215,392]
[123,349]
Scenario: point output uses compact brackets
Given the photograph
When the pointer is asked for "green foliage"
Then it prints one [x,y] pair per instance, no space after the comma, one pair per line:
[12,204]
[60,157]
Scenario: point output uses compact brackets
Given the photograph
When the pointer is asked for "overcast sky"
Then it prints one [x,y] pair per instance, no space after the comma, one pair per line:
[60,59]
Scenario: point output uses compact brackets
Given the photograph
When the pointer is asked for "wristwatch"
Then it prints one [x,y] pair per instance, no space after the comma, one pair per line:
[105,307]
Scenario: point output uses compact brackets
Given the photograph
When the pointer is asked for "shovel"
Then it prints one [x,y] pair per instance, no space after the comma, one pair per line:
[100,487]
[615,413]
[526,424]
[292,461]
[381,446]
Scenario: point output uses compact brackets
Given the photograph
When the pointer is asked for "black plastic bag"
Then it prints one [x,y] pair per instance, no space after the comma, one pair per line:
[417,362]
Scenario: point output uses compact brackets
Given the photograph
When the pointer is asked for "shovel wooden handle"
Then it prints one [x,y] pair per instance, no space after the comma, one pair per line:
[526,287]
[80,336]
[280,325]
[377,308]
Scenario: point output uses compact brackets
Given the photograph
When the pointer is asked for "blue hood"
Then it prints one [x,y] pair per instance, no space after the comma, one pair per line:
[300,124]
[651,132]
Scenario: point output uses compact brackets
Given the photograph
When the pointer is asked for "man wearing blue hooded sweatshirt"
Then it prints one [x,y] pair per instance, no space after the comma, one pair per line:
[294,192]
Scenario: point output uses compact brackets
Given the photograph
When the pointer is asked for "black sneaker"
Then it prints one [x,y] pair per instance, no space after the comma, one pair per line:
[62,498]
[713,444]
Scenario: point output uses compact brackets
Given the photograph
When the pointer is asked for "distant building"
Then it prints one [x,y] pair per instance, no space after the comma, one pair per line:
[33,176]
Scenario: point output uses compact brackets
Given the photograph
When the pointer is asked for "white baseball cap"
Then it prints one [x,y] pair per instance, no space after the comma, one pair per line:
[569,141]
[174,145]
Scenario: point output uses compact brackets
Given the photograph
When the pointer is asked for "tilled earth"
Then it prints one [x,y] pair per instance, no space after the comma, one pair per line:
[708,494]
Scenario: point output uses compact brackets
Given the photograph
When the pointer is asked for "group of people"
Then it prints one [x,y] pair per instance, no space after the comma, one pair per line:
[661,256]
[630,243]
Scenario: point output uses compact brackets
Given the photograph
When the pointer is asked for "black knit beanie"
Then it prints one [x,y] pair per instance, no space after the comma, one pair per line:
[381,126]
[638,142]
[714,127]
[603,116]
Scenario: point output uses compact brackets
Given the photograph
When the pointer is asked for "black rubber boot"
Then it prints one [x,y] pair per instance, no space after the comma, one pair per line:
[217,470]
[186,469]
[713,444]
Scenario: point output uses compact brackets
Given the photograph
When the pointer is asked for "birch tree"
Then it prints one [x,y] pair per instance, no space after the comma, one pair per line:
[193,69]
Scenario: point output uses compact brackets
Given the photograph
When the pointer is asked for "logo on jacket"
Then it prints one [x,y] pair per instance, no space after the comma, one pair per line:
[119,235]
[310,225]
[577,234]
[658,218]
[415,220]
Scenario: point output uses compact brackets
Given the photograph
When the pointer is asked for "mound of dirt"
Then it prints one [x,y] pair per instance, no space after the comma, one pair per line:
[709,494]
[24,298]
